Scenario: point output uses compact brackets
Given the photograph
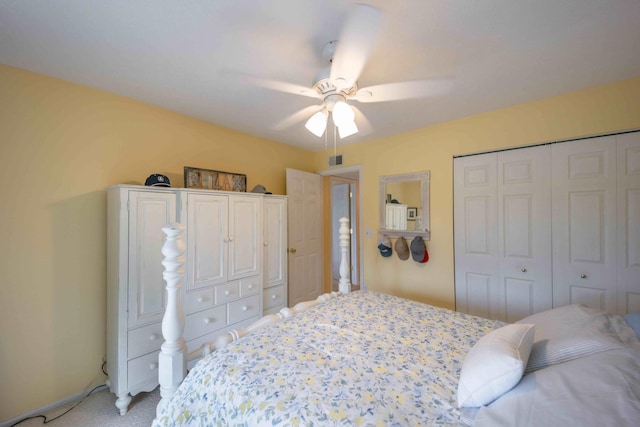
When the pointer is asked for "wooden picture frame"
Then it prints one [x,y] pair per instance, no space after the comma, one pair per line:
[214,180]
[412,214]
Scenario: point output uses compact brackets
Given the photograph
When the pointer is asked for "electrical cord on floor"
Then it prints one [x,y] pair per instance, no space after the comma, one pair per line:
[44,418]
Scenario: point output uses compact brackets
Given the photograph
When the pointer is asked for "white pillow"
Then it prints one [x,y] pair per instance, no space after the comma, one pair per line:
[494,365]
[567,333]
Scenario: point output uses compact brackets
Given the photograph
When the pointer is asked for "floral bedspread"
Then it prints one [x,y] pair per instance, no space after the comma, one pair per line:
[362,359]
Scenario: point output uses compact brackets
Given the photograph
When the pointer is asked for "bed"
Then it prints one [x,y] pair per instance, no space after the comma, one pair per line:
[366,358]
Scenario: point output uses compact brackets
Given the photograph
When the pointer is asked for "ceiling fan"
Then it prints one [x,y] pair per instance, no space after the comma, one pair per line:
[338,83]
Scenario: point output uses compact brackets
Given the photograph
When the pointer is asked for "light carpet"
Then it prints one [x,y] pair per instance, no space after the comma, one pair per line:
[99,410]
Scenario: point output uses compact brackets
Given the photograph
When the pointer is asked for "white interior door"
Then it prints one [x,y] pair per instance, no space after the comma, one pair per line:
[628,254]
[304,211]
[476,235]
[584,224]
[524,232]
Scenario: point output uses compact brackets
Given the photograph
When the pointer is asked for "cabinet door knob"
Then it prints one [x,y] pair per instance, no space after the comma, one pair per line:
[226,293]
[524,270]
[583,276]
[273,296]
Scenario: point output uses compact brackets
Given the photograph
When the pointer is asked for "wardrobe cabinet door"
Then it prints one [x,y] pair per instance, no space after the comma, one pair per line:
[524,232]
[584,223]
[628,256]
[245,236]
[148,213]
[476,245]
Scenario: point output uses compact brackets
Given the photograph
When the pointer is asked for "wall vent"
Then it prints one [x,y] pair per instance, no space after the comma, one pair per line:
[335,160]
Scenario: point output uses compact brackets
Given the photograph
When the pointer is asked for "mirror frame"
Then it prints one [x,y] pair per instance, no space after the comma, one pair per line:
[424,178]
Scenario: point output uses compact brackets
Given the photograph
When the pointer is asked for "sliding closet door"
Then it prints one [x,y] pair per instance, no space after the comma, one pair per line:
[476,235]
[628,256]
[524,232]
[584,223]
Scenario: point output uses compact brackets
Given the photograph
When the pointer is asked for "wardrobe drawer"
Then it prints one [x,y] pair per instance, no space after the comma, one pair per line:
[205,322]
[249,286]
[273,297]
[227,292]
[142,369]
[198,300]
[244,308]
[143,340]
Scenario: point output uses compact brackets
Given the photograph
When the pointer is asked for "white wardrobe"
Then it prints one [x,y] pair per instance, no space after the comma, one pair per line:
[550,225]
[228,272]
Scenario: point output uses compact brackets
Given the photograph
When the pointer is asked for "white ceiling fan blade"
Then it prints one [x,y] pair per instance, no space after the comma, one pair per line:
[285,87]
[355,44]
[297,117]
[364,125]
[403,90]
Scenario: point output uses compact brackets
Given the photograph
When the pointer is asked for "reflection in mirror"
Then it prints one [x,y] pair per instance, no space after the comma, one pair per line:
[404,204]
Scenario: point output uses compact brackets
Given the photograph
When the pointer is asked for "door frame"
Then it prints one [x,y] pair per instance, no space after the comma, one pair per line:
[355,173]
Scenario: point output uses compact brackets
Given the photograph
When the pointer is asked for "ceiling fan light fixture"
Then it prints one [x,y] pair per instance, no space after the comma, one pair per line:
[342,114]
[347,129]
[317,123]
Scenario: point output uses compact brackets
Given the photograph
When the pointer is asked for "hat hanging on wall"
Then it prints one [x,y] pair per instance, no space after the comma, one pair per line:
[402,249]
[384,244]
[157,180]
[419,250]
[260,189]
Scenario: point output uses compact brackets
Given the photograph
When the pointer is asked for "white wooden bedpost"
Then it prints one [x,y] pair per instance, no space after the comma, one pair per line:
[172,361]
[344,284]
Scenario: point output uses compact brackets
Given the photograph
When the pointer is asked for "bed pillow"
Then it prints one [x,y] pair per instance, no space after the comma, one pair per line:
[567,333]
[601,389]
[494,365]
[633,320]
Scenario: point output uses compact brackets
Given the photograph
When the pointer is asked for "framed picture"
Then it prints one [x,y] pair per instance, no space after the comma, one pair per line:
[412,214]
[214,180]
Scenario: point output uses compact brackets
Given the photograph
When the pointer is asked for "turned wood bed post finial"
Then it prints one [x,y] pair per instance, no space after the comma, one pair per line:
[344,284]
[172,360]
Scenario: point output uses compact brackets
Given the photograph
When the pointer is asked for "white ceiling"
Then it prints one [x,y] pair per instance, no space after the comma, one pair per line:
[195,57]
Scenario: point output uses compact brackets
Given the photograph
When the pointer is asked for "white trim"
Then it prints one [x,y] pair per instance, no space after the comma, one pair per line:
[360,169]
[51,406]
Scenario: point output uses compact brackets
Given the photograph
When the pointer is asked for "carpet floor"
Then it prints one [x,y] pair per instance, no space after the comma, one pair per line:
[99,410]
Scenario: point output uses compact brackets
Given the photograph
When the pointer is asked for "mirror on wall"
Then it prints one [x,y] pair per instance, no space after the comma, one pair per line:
[404,204]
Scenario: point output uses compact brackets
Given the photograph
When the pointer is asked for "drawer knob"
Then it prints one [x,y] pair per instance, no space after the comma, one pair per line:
[273,297]
[153,337]
[250,286]
[226,293]
[201,299]
[209,320]
[153,366]
[245,308]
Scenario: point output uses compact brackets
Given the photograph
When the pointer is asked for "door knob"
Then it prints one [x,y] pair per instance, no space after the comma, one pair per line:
[292,250]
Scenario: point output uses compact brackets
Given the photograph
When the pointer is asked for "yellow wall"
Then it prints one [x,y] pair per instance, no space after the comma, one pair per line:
[61,145]
[610,108]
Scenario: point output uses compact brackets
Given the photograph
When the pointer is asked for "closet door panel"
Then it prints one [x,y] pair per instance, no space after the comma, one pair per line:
[524,232]
[629,222]
[584,227]
[476,248]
